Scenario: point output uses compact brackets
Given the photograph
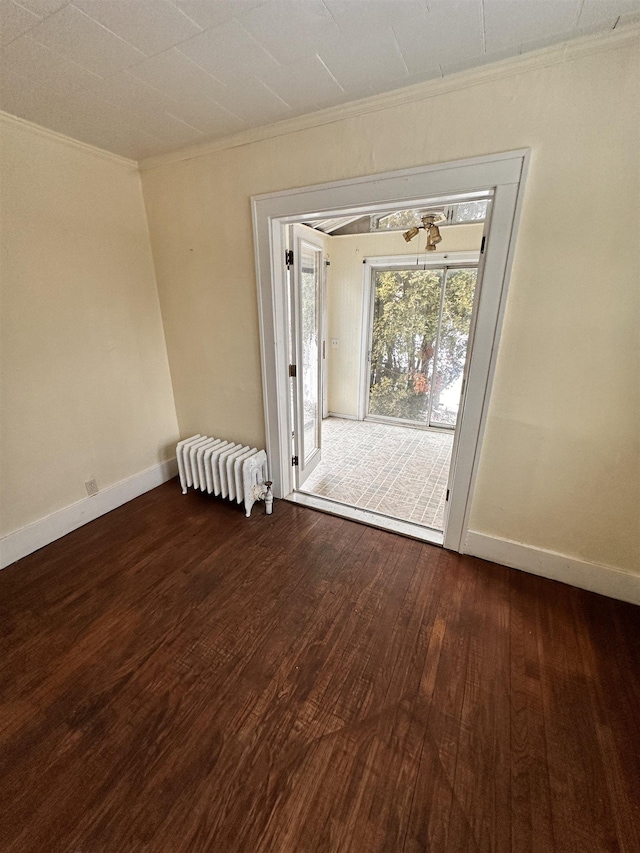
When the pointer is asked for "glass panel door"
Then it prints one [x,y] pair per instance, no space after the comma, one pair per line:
[451,351]
[406,310]
[307,311]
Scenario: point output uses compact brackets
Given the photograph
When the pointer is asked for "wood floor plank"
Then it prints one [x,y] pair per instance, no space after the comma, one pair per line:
[531,824]
[581,810]
[622,776]
[176,677]
[436,812]
[483,760]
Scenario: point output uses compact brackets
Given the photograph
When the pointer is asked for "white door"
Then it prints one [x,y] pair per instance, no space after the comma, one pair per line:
[306,303]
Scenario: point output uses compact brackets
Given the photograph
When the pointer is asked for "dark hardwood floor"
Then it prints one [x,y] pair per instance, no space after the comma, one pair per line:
[176,677]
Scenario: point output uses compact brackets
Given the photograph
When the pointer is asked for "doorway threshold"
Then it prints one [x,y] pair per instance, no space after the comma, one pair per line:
[369,517]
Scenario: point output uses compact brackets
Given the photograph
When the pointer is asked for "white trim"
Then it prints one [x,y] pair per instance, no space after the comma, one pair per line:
[433,259]
[342,415]
[513,66]
[366,325]
[323,336]
[367,516]
[28,539]
[488,313]
[379,189]
[85,147]
[402,422]
[605,580]
[504,174]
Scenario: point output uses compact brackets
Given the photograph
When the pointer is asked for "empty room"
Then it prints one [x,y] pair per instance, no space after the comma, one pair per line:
[320,426]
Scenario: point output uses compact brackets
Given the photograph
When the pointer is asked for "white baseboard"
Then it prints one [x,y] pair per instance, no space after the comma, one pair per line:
[28,539]
[344,417]
[606,580]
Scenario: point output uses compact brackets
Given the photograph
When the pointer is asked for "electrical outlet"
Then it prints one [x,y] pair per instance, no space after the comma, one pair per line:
[334,343]
[91,487]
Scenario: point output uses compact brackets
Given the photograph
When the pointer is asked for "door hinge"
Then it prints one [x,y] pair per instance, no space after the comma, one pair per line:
[447,497]
[481,245]
[294,460]
[292,371]
[288,258]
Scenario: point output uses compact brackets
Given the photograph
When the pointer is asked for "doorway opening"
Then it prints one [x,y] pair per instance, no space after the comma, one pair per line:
[391,326]
[408,354]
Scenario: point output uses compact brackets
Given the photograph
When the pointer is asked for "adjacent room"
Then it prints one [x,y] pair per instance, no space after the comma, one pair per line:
[319,426]
[392,340]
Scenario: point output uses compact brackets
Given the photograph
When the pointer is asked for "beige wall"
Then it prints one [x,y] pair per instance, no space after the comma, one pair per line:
[559,467]
[85,386]
[345,293]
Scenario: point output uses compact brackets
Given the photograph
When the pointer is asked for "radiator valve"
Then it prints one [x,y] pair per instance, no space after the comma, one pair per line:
[262,492]
[268,497]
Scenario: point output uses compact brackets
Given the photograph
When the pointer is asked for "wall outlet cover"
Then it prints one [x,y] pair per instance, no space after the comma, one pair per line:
[91,487]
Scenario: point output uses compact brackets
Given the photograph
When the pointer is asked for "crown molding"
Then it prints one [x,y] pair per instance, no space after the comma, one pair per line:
[545,57]
[24,124]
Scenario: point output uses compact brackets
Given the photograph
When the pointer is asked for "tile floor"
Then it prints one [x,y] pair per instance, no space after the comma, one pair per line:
[395,470]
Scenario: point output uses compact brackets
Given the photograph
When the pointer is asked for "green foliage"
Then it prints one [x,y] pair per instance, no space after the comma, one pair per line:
[405,328]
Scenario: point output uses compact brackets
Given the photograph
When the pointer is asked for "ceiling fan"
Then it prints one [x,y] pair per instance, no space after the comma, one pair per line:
[430,222]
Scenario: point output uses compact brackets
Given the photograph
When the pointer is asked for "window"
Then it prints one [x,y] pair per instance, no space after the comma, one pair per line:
[418,343]
[457,214]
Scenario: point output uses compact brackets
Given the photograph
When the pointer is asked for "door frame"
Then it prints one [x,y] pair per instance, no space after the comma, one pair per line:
[505,174]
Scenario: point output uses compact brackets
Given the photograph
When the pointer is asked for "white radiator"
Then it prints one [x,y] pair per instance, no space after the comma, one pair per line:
[223,468]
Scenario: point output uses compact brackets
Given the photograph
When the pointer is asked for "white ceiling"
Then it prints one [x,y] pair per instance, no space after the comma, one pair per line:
[144,77]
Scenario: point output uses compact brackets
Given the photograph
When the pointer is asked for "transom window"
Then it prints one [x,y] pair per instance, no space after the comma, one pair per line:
[456,214]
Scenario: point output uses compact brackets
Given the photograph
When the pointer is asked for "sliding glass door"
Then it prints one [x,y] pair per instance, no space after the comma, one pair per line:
[420,323]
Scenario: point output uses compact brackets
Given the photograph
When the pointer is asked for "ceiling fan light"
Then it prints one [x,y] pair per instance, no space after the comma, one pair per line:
[433,238]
